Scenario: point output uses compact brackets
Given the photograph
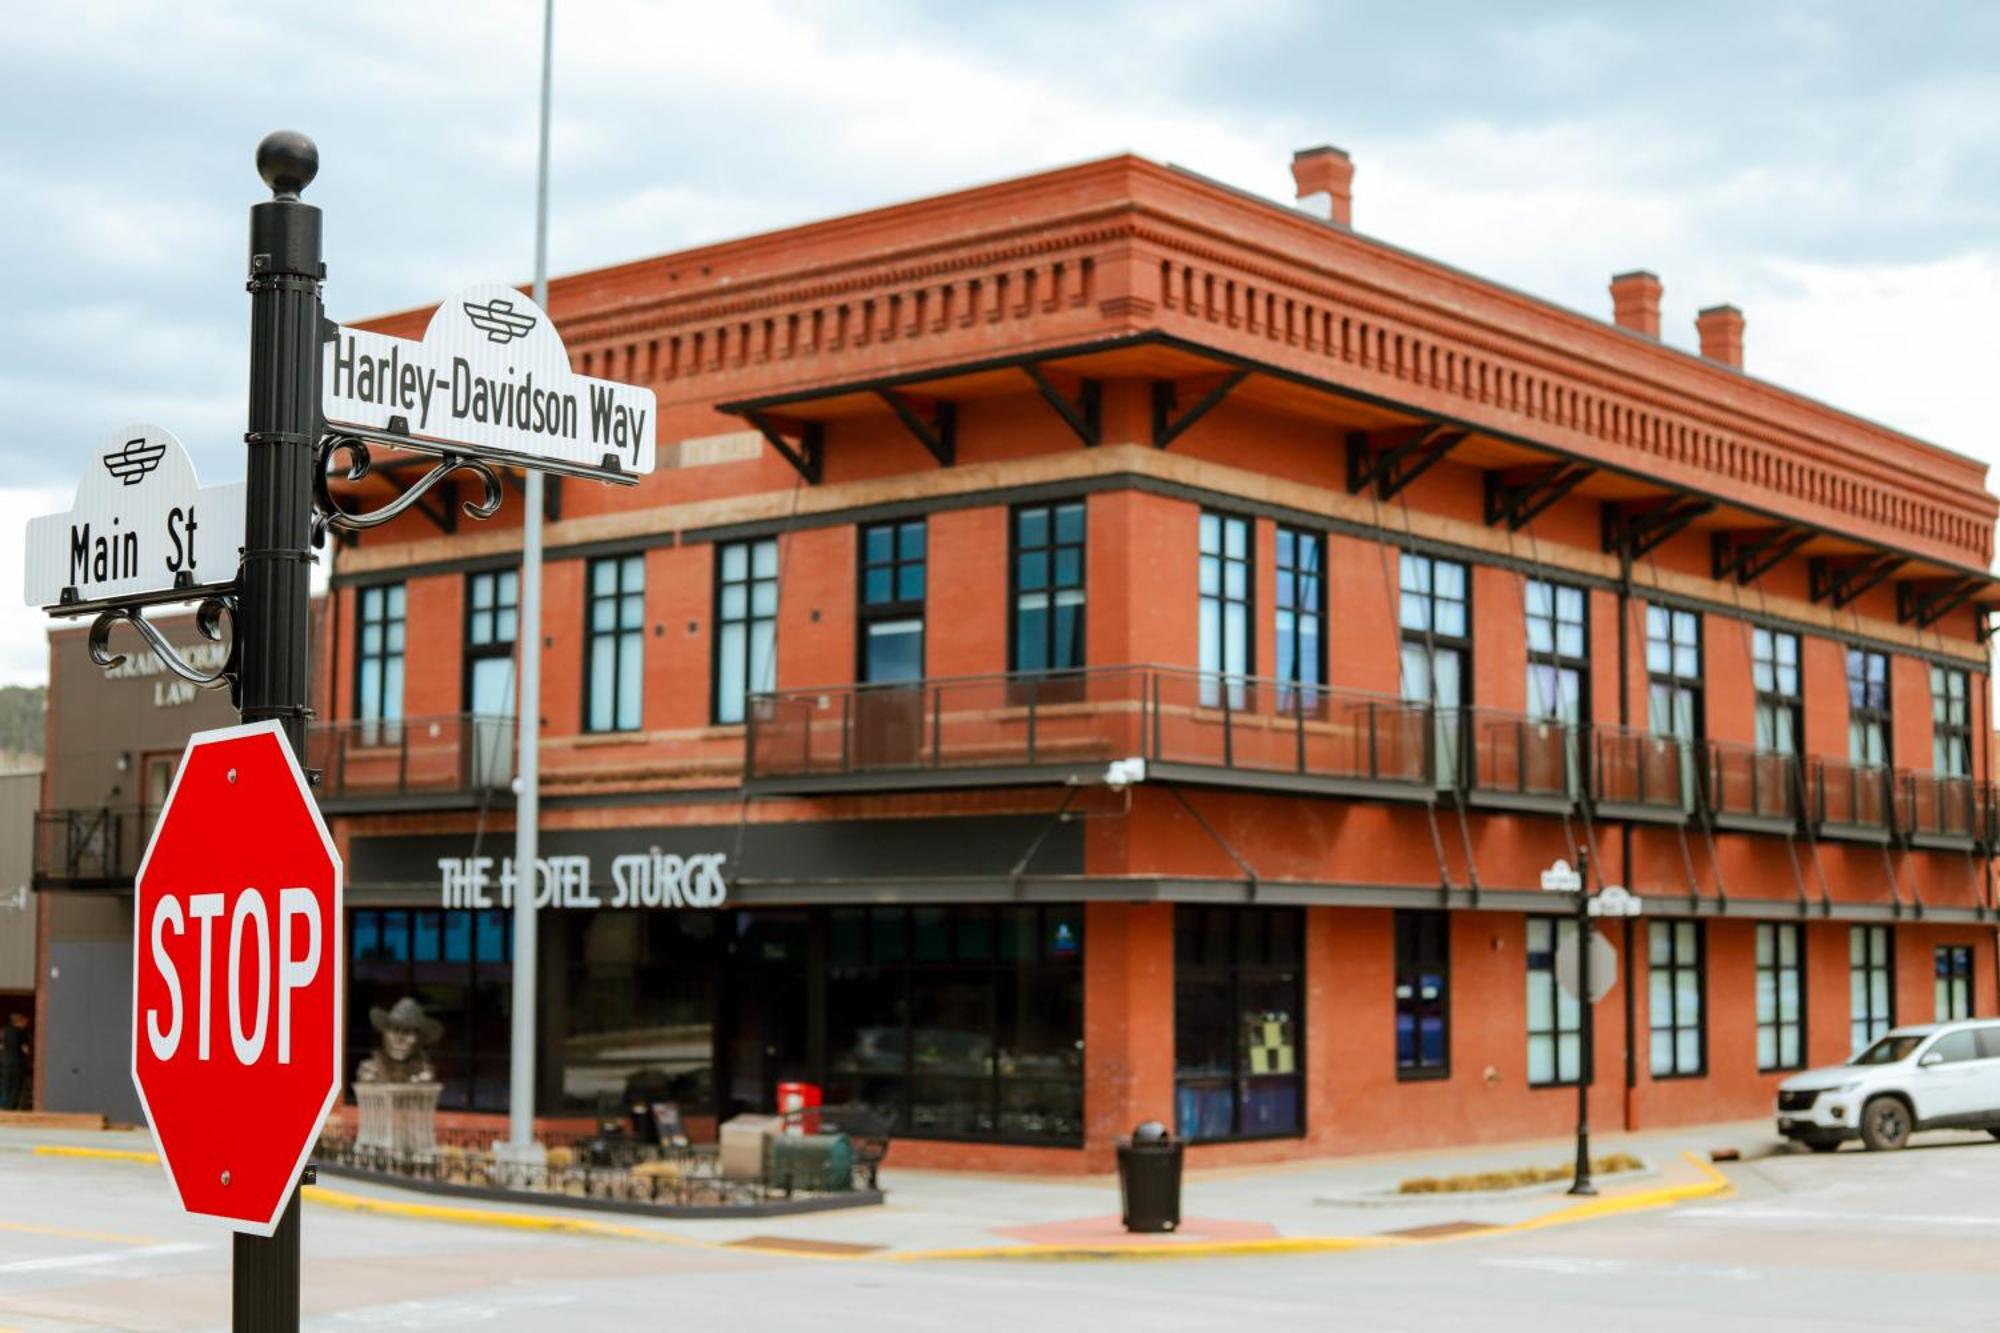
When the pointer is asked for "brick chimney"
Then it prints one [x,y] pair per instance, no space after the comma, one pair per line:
[1721,330]
[1635,302]
[1325,180]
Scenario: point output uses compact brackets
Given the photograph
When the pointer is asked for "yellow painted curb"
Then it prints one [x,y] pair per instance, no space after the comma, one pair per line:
[486,1217]
[1715,1186]
[100,1154]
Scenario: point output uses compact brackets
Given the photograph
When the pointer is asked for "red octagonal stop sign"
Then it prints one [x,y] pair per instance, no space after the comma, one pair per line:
[236,976]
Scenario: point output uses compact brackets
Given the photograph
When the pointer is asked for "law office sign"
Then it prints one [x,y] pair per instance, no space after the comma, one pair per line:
[490,376]
[143,529]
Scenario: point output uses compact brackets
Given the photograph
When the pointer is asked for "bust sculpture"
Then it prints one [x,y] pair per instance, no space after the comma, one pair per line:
[401,1056]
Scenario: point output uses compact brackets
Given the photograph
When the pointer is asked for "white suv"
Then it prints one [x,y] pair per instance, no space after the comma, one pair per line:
[1932,1076]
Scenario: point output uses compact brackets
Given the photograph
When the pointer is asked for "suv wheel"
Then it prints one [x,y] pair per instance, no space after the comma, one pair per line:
[1885,1124]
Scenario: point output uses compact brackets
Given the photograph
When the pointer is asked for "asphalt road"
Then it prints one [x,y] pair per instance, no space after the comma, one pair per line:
[1850,1241]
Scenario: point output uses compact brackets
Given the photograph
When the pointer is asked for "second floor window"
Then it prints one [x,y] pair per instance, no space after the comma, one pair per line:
[378,660]
[1868,728]
[1673,673]
[1774,672]
[1436,648]
[1048,587]
[746,624]
[615,634]
[1954,982]
[1301,613]
[1871,984]
[893,565]
[1423,994]
[1781,996]
[1951,724]
[492,613]
[1225,602]
[1558,652]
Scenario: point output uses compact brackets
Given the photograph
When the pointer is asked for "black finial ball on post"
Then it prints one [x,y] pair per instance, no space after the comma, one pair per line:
[288,161]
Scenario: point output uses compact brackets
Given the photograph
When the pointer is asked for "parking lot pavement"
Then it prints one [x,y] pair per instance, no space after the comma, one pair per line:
[1846,1241]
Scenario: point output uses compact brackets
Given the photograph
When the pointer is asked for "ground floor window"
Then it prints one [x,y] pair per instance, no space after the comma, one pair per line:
[459,965]
[1871,984]
[1555,1019]
[629,1008]
[1675,967]
[1239,1022]
[1423,994]
[1954,982]
[1781,1002]
[959,1022]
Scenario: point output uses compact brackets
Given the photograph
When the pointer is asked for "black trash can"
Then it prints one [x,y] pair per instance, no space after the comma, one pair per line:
[1149,1178]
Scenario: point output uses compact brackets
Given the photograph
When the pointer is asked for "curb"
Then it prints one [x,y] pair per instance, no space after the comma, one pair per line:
[98,1154]
[486,1217]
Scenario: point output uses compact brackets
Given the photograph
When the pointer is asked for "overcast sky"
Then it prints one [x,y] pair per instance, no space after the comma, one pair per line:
[1833,169]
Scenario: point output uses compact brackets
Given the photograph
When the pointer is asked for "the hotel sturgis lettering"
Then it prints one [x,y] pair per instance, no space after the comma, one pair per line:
[638,879]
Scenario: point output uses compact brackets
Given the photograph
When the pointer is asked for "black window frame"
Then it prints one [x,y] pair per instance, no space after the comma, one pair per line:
[480,647]
[1864,679]
[1865,940]
[1554,659]
[868,613]
[1675,1024]
[721,619]
[1416,929]
[1052,589]
[1242,956]
[1958,959]
[1671,678]
[462,1043]
[1541,972]
[1951,722]
[1212,680]
[1775,968]
[383,725]
[1768,682]
[1299,591]
[618,631]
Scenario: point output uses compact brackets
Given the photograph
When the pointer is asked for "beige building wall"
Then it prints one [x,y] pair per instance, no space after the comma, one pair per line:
[19,794]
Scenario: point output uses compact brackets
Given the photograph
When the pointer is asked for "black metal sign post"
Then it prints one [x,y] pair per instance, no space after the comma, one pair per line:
[273,603]
[1586,1026]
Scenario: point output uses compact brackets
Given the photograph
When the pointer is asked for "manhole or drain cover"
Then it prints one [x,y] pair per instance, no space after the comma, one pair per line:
[793,1245]
[1437,1230]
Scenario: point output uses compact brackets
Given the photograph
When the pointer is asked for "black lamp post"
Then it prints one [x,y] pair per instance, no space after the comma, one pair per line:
[1586,1027]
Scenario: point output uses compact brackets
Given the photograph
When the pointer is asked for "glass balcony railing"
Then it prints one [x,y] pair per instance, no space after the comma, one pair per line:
[1937,809]
[1511,759]
[1746,787]
[1638,775]
[96,847]
[1239,730]
[1851,800]
[457,758]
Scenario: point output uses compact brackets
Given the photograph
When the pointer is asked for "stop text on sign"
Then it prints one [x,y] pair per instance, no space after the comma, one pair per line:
[265,971]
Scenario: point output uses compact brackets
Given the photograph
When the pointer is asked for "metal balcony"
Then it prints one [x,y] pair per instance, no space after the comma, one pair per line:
[1751,790]
[1851,802]
[456,761]
[1510,761]
[92,848]
[1024,729]
[1637,775]
[1937,810]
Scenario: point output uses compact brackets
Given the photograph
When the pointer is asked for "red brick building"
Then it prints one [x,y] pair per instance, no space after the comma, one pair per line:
[1401,584]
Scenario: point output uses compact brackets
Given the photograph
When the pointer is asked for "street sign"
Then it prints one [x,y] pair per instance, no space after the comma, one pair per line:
[1560,878]
[492,378]
[1617,900]
[237,948]
[143,529]
[1603,965]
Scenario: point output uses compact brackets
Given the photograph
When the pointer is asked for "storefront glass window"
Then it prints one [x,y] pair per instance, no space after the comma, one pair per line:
[639,1000]
[959,1022]
[427,955]
[1238,1022]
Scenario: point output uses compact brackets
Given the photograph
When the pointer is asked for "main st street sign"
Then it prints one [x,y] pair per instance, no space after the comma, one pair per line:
[236,976]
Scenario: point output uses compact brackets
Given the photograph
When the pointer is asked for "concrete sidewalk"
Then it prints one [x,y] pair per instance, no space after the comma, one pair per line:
[939,1214]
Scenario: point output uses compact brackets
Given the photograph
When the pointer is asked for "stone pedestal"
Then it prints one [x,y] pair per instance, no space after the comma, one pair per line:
[398,1118]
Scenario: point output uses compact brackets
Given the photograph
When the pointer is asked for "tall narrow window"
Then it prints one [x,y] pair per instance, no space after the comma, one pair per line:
[1951,725]
[746,624]
[1954,982]
[615,636]
[1868,729]
[1301,615]
[1558,652]
[1781,996]
[378,662]
[893,566]
[1225,606]
[1871,984]
[492,601]
[1423,994]
[1555,1019]
[1774,672]
[1048,587]
[1673,684]
[1437,648]
[1674,1007]
[1239,1011]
